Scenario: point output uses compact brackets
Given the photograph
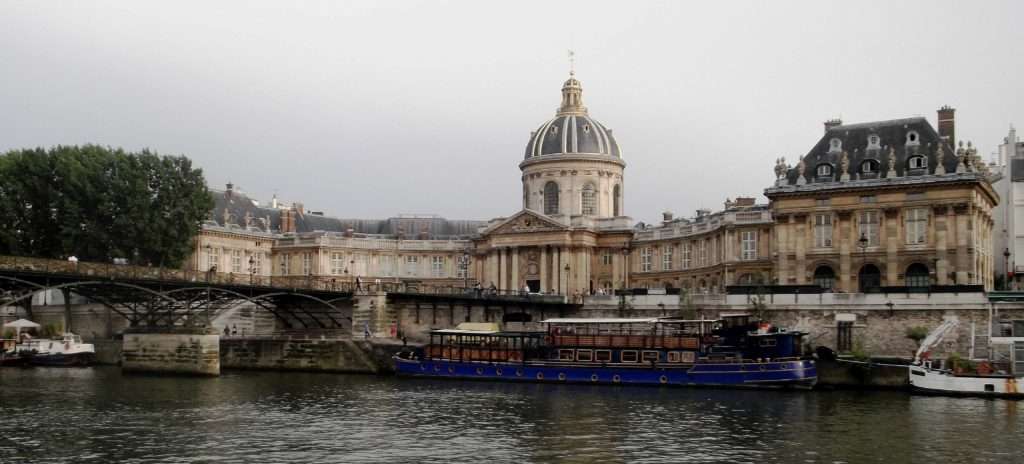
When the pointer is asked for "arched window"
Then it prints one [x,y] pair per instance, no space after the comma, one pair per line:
[869,278]
[917,275]
[551,198]
[869,166]
[616,202]
[824,170]
[589,200]
[917,162]
[835,145]
[825,277]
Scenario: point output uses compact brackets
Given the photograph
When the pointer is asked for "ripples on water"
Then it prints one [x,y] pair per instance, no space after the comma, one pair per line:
[98,415]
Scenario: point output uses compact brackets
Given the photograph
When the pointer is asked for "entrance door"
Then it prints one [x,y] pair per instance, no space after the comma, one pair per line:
[534,285]
[869,278]
[844,336]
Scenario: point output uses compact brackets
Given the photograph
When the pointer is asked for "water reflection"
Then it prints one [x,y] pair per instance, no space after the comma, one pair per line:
[98,415]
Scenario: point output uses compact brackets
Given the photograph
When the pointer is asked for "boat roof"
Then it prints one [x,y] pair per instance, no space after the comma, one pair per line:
[605,320]
[465,332]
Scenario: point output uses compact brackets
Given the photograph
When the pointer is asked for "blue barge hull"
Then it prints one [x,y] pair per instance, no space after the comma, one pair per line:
[797,373]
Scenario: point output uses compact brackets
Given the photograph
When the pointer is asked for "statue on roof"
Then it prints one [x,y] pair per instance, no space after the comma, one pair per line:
[892,162]
[801,180]
[844,166]
[961,158]
[940,167]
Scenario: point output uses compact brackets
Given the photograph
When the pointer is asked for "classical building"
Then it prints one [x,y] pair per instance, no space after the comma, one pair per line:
[871,205]
[884,204]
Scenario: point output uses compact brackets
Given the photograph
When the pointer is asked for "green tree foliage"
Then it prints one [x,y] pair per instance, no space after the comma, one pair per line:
[99,203]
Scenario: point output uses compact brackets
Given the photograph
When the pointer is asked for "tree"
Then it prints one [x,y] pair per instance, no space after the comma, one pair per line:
[100,203]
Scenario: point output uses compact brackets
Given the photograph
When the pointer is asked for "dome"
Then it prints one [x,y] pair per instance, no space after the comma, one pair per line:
[572,130]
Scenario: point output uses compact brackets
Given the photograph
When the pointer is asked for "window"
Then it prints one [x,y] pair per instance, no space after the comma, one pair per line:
[628,356]
[824,170]
[825,277]
[566,355]
[307,263]
[873,142]
[867,227]
[917,276]
[213,259]
[823,230]
[651,356]
[684,249]
[603,355]
[917,226]
[463,269]
[702,253]
[748,245]
[387,266]
[236,261]
[869,199]
[551,198]
[917,162]
[672,357]
[767,342]
[437,266]
[869,166]
[589,200]
[412,264]
[257,265]
[835,145]
[645,259]
[584,355]
[337,263]
[616,201]
[913,139]
[606,258]
[844,336]
[819,202]
[285,265]
[666,257]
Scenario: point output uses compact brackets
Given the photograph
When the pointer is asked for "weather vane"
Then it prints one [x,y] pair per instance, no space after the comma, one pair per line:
[572,63]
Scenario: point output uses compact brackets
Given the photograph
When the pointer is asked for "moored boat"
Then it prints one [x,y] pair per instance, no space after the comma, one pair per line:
[661,351]
[1000,375]
[68,351]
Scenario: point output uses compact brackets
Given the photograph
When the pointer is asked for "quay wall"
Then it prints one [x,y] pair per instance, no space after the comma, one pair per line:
[171,353]
[307,354]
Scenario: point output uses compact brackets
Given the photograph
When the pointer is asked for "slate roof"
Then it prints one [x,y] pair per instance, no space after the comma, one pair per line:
[854,140]
[263,219]
[572,134]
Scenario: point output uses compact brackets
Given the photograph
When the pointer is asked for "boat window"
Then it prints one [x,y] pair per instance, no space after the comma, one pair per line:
[565,355]
[687,357]
[603,355]
[584,355]
[628,356]
[673,356]
[768,342]
[651,356]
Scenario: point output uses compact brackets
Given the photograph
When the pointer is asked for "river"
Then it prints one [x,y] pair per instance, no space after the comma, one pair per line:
[99,415]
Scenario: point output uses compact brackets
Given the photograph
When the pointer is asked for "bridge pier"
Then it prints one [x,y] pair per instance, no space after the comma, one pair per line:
[188,351]
[372,317]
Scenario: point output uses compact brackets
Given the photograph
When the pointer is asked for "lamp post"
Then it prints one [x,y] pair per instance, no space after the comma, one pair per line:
[213,266]
[464,265]
[862,243]
[625,266]
[890,305]
[567,280]
[252,270]
[1006,269]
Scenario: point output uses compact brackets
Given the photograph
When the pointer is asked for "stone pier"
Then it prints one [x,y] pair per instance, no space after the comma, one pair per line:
[177,351]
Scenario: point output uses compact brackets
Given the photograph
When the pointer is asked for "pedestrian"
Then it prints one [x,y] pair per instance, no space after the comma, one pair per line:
[477,289]
[359,284]
[526,289]
[493,289]
[227,331]
[234,329]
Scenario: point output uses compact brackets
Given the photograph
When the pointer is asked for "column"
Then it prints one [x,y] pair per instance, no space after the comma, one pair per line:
[500,275]
[514,284]
[941,246]
[799,238]
[844,251]
[781,249]
[544,286]
[617,269]
[892,231]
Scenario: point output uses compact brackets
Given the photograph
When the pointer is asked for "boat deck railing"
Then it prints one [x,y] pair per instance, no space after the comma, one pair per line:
[627,341]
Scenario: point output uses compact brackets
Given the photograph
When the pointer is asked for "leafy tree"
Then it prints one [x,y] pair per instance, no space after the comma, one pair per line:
[100,203]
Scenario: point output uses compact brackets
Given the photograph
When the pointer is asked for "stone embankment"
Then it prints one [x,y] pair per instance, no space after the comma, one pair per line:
[301,354]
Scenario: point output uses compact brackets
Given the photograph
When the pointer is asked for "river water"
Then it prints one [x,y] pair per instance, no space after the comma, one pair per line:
[99,415]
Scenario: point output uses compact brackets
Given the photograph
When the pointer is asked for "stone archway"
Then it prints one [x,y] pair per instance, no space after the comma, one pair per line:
[869,278]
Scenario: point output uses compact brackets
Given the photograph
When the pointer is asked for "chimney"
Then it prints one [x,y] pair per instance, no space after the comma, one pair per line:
[947,125]
[229,190]
[833,123]
[666,217]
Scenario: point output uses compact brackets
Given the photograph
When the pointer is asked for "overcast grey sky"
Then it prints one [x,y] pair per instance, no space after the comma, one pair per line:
[369,109]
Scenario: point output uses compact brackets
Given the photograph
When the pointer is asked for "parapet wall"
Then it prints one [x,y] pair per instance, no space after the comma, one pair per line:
[324,355]
[171,353]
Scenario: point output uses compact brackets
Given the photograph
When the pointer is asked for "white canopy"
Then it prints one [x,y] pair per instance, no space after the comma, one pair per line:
[22,324]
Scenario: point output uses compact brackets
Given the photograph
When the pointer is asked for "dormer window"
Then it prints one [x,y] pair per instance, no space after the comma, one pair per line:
[835,145]
[824,170]
[554,130]
[586,128]
[869,166]
[874,141]
[917,162]
[913,138]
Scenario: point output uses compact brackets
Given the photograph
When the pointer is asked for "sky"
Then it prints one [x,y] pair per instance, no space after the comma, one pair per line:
[372,109]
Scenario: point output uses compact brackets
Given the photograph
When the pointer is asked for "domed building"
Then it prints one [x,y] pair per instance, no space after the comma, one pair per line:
[570,235]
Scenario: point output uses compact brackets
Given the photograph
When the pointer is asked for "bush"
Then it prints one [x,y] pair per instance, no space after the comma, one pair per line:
[917,334]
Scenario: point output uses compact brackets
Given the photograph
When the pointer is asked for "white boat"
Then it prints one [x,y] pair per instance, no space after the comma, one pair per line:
[68,351]
[999,375]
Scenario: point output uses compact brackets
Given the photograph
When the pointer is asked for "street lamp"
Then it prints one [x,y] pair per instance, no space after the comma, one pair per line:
[252,270]
[890,305]
[1006,268]
[464,265]
[862,243]
[567,280]
[625,266]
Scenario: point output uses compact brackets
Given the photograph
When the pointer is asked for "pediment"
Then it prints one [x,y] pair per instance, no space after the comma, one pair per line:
[525,221]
